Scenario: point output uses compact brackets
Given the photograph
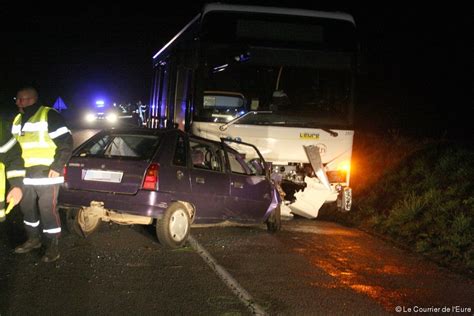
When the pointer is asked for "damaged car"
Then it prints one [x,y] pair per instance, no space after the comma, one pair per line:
[167,178]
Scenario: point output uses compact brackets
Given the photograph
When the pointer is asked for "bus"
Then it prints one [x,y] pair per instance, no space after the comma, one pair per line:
[282,79]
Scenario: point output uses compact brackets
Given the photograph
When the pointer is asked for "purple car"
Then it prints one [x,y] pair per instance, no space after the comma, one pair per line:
[139,176]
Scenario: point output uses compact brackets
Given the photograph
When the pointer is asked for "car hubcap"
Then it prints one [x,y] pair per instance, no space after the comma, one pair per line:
[86,221]
[179,225]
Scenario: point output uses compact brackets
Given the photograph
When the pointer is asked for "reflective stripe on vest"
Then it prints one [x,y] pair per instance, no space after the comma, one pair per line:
[2,186]
[43,181]
[52,230]
[36,224]
[7,146]
[60,131]
[15,173]
[37,145]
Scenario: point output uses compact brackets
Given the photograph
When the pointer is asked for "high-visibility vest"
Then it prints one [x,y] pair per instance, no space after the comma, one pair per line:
[9,175]
[14,170]
[2,191]
[37,146]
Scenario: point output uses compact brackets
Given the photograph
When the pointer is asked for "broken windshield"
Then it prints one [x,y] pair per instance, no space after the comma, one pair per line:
[299,87]
[299,68]
[296,94]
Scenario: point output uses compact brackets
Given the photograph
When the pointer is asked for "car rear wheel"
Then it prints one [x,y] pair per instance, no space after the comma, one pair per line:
[71,223]
[86,223]
[173,228]
[274,220]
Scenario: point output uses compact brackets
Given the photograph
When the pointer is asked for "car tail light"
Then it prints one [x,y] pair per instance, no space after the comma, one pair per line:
[65,173]
[151,177]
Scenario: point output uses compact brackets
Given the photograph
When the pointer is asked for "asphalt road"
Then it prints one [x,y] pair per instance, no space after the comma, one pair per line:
[314,267]
[310,268]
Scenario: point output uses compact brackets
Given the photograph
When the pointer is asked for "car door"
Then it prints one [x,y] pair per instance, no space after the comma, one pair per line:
[209,181]
[250,189]
[174,171]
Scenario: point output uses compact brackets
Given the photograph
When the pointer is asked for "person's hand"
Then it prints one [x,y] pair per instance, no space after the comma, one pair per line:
[53,174]
[16,194]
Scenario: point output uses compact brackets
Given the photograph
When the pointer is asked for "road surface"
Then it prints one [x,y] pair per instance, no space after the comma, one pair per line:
[310,268]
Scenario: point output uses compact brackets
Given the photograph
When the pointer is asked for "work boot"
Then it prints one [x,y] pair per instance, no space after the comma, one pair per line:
[52,251]
[30,244]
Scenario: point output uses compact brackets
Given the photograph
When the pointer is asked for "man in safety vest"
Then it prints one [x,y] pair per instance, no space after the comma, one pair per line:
[47,144]
[11,165]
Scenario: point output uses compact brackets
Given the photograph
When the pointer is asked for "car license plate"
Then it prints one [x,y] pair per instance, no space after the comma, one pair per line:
[103,175]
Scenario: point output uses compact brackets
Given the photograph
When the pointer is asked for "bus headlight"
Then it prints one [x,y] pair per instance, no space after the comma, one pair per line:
[344,166]
[336,176]
[340,174]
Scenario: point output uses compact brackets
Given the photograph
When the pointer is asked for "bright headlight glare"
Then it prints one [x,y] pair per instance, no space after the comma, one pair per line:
[90,117]
[112,117]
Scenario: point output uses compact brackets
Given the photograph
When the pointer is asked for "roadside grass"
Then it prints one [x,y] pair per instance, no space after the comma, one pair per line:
[418,193]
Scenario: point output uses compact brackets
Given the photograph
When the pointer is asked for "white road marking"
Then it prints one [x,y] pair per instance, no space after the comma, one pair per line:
[228,280]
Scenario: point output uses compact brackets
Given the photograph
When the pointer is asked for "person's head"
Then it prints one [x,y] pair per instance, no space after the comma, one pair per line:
[25,97]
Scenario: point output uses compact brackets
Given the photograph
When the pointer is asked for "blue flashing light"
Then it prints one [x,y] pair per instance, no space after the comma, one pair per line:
[100,103]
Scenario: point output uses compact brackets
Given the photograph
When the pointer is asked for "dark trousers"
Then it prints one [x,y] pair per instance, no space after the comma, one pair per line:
[39,208]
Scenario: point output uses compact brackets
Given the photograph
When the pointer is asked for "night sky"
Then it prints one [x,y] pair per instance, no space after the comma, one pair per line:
[417,75]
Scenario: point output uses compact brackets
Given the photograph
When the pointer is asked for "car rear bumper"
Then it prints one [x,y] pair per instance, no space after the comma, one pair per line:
[144,203]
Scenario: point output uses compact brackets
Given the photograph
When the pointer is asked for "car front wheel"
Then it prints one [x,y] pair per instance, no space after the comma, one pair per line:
[173,228]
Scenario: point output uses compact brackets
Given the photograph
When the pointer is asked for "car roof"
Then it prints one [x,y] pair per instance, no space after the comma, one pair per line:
[139,130]
[149,131]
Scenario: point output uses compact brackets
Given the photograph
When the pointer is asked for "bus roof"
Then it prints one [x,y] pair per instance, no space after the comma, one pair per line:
[276,10]
[212,7]
[177,35]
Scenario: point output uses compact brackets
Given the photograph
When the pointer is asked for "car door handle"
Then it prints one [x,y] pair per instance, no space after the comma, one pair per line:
[237,185]
[179,174]
[200,180]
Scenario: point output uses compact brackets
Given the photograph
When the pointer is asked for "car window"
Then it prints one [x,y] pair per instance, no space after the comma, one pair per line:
[244,159]
[131,146]
[120,147]
[179,158]
[238,164]
[206,155]
[97,148]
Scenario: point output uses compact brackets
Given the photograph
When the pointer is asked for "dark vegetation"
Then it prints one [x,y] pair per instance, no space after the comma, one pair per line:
[417,193]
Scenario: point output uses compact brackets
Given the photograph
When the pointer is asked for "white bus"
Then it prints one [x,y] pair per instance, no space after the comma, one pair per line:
[282,79]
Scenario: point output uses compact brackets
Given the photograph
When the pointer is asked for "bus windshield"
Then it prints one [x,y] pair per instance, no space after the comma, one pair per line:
[307,81]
